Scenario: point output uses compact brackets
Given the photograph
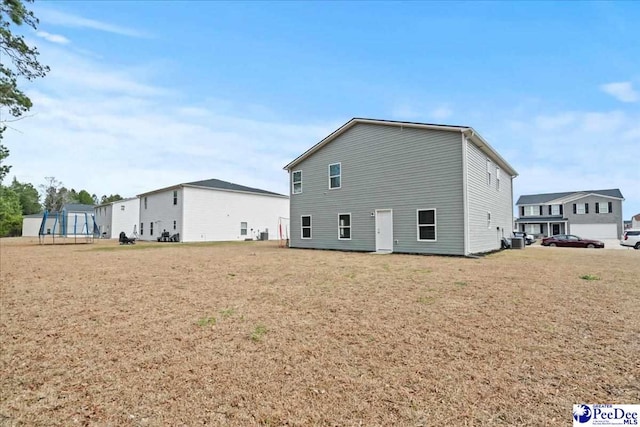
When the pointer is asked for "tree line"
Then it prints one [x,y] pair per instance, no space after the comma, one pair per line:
[22,198]
[20,61]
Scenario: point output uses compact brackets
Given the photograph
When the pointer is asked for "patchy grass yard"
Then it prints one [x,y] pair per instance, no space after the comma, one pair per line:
[251,334]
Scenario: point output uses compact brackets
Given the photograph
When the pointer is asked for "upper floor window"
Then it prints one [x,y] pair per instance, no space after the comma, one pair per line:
[488,172]
[604,207]
[121,207]
[335,172]
[243,228]
[497,178]
[305,226]
[175,197]
[427,225]
[555,209]
[344,226]
[145,202]
[531,211]
[296,182]
[580,208]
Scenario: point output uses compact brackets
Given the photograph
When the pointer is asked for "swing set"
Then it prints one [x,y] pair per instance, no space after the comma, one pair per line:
[67,227]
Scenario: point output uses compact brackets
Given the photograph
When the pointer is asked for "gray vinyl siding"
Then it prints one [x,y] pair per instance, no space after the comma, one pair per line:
[383,167]
[483,198]
[615,217]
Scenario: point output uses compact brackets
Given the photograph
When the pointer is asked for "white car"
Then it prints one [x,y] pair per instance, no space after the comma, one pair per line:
[631,238]
[528,238]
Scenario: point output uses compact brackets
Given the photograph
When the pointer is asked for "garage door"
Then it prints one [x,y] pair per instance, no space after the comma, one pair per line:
[595,231]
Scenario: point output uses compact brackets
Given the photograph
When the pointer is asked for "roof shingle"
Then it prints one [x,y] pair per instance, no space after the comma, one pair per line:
[536,199]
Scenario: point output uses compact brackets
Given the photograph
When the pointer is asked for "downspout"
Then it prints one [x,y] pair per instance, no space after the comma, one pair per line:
[465,193]
[182,201]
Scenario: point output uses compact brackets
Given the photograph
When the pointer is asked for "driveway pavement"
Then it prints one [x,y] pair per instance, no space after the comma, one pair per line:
[608,244]
[615,244]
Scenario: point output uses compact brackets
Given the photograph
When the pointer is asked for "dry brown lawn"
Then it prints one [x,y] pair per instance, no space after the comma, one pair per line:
[251,334]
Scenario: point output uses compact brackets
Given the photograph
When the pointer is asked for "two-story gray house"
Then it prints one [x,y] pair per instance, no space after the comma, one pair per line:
[389,186]
[591,214]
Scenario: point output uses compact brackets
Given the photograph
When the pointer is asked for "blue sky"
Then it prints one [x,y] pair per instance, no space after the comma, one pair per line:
[148,94]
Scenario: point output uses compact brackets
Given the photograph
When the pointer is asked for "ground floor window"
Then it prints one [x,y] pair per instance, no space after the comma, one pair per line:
[174,224]
[141,228]
[305,225]
[151,228]
[533,228]
[344,226]
[243,228]
[427,225]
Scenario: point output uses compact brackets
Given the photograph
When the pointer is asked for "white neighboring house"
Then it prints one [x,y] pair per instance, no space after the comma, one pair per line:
[211,210]
[79,221]
[31,225]
[635,221]
[114,217]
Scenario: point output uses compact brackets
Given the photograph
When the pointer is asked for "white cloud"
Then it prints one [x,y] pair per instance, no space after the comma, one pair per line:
[114,131]
[622,91]
[572,151]
[55,17]
[441,113]
[53,38]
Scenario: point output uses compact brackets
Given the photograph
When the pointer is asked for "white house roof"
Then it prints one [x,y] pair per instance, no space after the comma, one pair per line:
[469,132]
[217,184]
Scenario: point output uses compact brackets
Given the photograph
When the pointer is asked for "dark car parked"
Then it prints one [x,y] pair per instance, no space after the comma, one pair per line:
[571,241]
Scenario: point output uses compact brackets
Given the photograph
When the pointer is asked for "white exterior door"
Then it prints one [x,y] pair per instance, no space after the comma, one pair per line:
[595,231]
[384,230]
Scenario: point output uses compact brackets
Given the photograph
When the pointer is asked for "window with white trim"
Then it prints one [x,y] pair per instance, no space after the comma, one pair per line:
[426,219]
[603,207]
[555,209]
[296,182]
[533,228]
[335,175]
[580,208]
[532,211]
[141,228]
[305,226]
[497,178]
[174,224]
[151,228]
[243,228]
[121,207]
[175,197]
[145,202]
[488,219]
[344,226]
[488,172]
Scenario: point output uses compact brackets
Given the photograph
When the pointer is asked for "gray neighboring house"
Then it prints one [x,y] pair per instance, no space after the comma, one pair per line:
[591,214]
[389,186]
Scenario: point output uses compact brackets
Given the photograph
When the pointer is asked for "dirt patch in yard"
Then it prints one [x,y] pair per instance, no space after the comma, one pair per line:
[252,334]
